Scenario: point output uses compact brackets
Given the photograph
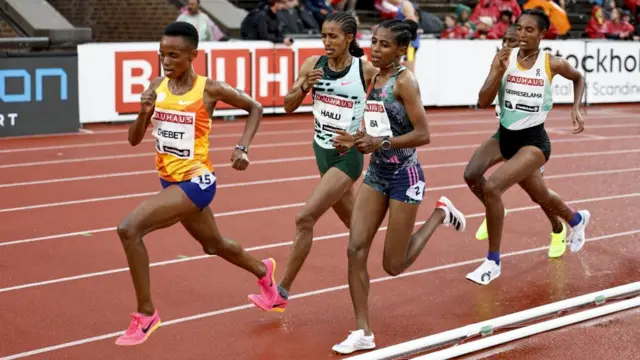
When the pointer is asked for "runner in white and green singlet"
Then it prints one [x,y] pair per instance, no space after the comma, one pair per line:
[488,154]
[339,81]
[522,80]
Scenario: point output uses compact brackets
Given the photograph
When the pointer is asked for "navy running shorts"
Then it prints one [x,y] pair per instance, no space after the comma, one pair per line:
[406,184]
[200,190]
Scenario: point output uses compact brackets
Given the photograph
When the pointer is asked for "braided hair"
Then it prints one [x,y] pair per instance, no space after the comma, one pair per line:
[541,18]
[348,25]
[404,31]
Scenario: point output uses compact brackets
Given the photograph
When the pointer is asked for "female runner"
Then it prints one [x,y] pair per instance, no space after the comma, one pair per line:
[522,81]
[488,155]
[396,124]
[339,81]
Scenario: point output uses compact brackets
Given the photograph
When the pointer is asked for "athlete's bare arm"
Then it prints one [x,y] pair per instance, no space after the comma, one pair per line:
[303,84]
[407,90]
[560,66]
[147,106]
[492,84]
[370,72]
[221,91]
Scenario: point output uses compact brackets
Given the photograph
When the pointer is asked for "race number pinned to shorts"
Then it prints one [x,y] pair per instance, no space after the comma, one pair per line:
[333,112]
[205,180]
[416,192]
[376,120]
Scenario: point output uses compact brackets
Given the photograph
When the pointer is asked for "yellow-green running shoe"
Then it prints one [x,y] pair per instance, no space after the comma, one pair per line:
[558,243]
[483,233]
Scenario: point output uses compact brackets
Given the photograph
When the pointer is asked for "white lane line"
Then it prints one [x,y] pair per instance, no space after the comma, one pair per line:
[300,143]
[289,132]
[277,160]
[302,295]
[136,195]
[281,244]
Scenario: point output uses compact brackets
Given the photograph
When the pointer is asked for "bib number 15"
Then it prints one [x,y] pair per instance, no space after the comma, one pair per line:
[205,180]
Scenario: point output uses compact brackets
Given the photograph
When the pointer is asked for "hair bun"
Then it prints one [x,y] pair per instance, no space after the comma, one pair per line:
[413,28]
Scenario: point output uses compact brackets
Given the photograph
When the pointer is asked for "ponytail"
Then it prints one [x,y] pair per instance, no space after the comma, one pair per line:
[355,49]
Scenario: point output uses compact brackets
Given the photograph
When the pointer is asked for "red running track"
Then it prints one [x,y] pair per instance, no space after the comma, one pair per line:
[66,292]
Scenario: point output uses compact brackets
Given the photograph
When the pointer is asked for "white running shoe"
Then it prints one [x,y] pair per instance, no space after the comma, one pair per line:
[356,341]
[485,273]
[452,216]
[576,235]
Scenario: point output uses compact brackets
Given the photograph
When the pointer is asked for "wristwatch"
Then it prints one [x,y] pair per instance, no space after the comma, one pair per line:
[386,143]
[243,148]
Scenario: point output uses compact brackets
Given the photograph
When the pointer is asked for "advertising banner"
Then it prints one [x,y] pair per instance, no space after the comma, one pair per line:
[38,95]
[450,72]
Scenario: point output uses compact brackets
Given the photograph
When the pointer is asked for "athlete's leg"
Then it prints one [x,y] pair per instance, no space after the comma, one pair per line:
[527,160]
[333,184]
[401,247]
[160,211]
[369,210]
[486,156]
[202,227]
[535,186]
[344,207]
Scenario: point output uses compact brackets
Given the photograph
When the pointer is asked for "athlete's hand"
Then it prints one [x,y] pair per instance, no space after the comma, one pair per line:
[503,59]
[367,144]
[578,121]
[148,100]
[314,76]
[239,160]
[345,141]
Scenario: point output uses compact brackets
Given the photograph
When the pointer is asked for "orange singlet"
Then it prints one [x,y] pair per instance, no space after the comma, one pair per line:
[181,126]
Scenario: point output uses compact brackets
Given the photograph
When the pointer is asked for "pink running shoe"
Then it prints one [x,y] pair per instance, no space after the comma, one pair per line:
[140,328]
[269,295]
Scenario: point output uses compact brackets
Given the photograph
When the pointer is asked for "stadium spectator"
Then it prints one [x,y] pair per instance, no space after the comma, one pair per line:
[506,19]
[632,5]
[608,7]
[463,13]
[595,26]
[319,9]
[344,5]
[483,31]
[207,29]
[485,8]
[453,30]
[616,28]
[511,5]
[291,22]
[262,23]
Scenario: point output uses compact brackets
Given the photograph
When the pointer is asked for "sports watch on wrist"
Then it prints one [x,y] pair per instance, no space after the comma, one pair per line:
[242,148]
[386,143]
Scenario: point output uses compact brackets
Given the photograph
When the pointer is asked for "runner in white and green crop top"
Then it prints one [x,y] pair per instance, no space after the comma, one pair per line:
[338,81]
[522,80]
[488,154]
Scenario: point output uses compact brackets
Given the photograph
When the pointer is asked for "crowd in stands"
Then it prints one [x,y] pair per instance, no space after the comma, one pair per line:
[490,18]
[279,21]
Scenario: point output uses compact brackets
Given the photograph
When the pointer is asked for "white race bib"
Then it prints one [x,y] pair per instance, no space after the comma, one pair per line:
[205,180]
[333,112]
[174,132]
[524,94]
[416,192]
[376,120]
